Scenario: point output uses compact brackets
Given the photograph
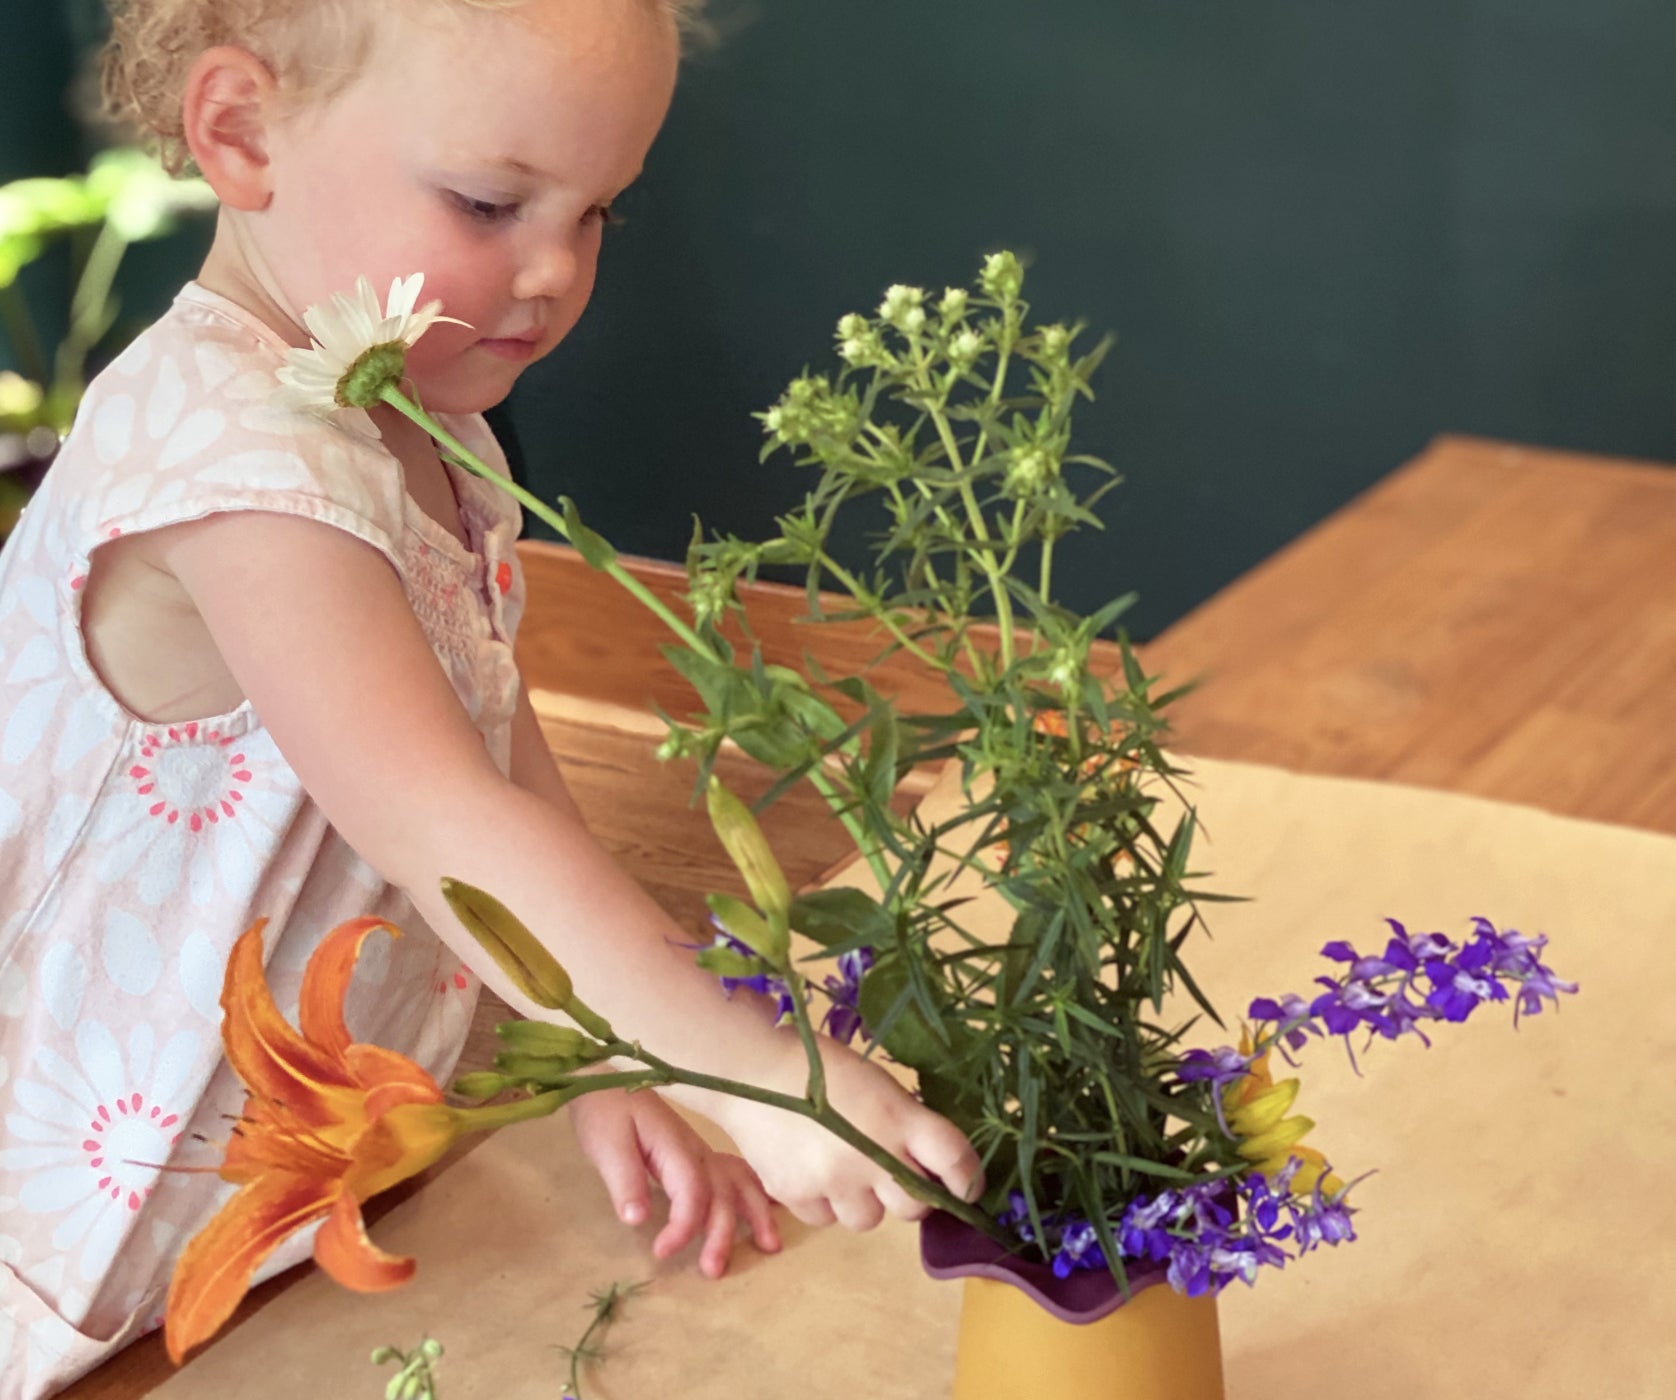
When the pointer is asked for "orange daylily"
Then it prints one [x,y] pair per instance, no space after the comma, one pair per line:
[328,1123]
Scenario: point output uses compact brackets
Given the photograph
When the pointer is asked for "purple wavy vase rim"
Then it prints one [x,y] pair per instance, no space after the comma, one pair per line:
[951,1249]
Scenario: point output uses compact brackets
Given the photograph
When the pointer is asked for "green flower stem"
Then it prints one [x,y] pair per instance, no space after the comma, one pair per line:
[498,1115]
[20,330]
[852,824]
[543,512]
[974,513]
[839,572]
[816,1091]
[588,1019]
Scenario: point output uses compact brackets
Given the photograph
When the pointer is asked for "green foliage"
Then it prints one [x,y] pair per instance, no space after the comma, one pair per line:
[124,197]
[1046,1046]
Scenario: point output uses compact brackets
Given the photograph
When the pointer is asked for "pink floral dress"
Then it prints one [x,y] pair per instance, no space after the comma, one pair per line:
[135,853]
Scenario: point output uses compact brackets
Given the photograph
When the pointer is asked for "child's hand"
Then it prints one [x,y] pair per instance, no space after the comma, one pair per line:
[818,1178]
[633,1139]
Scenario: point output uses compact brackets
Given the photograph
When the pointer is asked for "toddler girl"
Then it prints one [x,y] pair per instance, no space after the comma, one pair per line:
[258,664]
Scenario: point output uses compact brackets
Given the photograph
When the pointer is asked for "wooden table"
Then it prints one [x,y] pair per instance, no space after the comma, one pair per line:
[1488,619]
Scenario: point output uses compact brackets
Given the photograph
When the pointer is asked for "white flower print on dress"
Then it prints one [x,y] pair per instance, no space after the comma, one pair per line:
[92,1136]
[194,804]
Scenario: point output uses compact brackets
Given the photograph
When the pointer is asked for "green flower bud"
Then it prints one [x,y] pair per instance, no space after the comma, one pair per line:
[1055,340]
[432,1349]
[1002,278]
[1031,469]
[953,305]
[543,1038]
[965,347]
[482,1084]
[751,929]
[899,301]
[678,743]
[710,595]
[749,850]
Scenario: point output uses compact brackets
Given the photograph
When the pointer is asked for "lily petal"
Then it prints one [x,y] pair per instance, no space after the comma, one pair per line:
[390,1079]
[275,1062]
[402,1143]
[214,1270]
[326,980]
[1277,1139]
[1262,1111]
[343,1250]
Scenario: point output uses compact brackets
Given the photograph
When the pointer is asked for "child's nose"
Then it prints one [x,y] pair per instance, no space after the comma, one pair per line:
[547,271]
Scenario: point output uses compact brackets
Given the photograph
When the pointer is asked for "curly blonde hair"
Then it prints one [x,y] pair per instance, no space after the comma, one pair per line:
[154,44]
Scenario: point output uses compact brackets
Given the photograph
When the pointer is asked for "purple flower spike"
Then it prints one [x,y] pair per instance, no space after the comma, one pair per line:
[843,1020]
[1221,1066]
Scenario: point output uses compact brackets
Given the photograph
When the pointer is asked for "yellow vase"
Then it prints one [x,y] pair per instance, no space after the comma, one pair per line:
[1160,1345]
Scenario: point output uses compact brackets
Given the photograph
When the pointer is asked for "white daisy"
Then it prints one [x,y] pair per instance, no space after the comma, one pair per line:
[357,350]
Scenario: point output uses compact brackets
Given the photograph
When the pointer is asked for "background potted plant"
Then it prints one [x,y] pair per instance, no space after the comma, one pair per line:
[123,198]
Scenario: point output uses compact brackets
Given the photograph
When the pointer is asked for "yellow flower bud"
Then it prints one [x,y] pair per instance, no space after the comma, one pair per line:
[516,951]
[748,848]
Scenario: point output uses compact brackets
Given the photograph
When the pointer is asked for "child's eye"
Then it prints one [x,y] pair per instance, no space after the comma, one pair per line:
[602,214]
[484,210]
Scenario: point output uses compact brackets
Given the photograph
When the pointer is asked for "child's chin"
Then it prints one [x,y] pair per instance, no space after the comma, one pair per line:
[479,396]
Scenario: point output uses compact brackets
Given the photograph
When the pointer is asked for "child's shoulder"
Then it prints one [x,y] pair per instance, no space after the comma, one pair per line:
[185,422]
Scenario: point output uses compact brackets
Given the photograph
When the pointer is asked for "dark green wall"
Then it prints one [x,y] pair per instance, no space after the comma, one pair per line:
[42,48]
[1323,230]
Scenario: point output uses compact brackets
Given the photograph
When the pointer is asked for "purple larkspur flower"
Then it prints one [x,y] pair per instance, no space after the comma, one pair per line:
[1017,1216]
[1324,1221]
[764,983]
[843,1019]
[1079,1248]
[1222,1066]
[1291,1011]
[1457,990]
[1142,1234]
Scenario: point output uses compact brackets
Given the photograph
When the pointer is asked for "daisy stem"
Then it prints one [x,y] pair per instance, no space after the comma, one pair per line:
[542,511]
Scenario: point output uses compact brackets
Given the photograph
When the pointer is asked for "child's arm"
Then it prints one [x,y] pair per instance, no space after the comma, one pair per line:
[314,626]
[632,1139]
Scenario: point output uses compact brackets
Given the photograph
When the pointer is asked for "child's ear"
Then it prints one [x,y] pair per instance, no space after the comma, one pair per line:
[229,103]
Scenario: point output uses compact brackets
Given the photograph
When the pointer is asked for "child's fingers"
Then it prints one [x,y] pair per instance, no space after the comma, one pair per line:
[811,1210]
[609,1141]
[687,1185]
[899,1203]
[758,1211]
[718,1235]
[941,1148]
[861,1211]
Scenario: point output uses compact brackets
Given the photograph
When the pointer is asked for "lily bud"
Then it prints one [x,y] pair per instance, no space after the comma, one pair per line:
[516,951]
[482,1084]
[748,848]
[544,1038]
[751,929]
